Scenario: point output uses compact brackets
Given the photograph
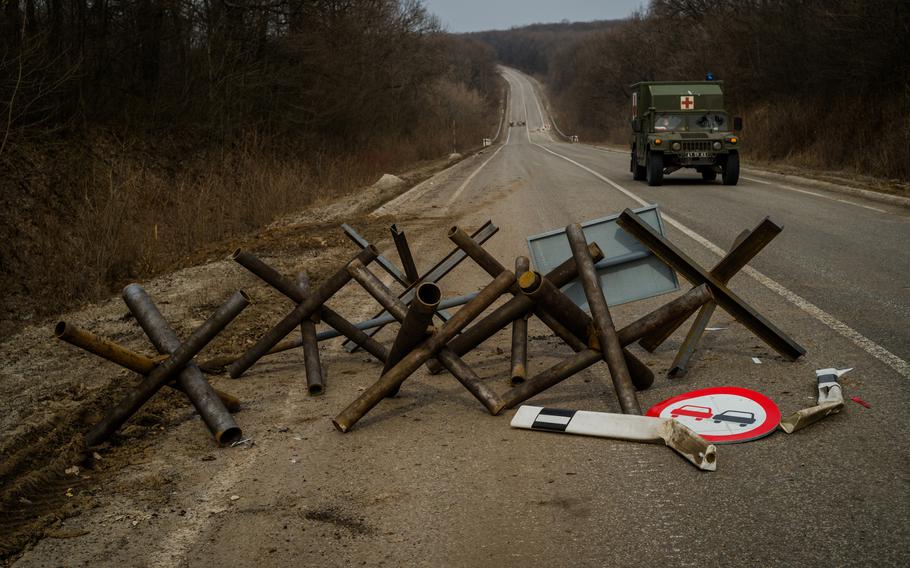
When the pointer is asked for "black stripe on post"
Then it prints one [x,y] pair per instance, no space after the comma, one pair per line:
[553,419]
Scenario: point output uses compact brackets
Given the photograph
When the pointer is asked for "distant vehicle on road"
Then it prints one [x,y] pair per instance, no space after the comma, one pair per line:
[736,416]
[679,124]
[693,410]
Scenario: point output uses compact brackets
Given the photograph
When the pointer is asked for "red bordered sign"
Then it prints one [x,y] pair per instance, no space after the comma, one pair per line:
[722,415]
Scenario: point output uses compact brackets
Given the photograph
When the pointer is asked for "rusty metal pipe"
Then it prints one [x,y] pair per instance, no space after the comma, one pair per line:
[452,362]
[303,311]
[492,266]
[126,358]
[469,379]
[415,326]
[560,307]
[417,357]
[549,298]
[694,298]
[552,301]
[332,318]
[549,378]
[213,412]
[179,359]
[603,324]
[438,271]
[520,335]
[315,380]
[631,333]
[478,254]
[517,307]
[404,253]
[379,291]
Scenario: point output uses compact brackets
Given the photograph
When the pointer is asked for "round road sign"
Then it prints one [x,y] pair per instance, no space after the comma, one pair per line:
[722,415]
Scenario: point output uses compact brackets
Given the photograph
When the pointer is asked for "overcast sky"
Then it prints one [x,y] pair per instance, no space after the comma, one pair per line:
[476,15]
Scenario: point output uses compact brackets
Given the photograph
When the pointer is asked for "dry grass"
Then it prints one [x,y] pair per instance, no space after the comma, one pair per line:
[91,223]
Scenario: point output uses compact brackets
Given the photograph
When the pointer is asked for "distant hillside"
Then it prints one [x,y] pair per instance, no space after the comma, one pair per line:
[531,48]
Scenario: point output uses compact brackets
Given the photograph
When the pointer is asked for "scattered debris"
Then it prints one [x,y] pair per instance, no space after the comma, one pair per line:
[756,360]
[830,401]
[860,402]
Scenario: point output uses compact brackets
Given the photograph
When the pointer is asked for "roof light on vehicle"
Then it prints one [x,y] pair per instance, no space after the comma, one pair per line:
[658,141]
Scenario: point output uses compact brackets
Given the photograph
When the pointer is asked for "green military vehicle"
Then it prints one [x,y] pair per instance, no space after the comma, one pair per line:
[679,124]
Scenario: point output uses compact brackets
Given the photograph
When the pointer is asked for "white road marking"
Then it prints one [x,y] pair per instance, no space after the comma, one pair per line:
[420,189]
[539,111]
[858,339]
[471,177]
[791,188]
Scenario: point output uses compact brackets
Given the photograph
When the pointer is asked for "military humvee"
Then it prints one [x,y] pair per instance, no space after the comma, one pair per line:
[683,125]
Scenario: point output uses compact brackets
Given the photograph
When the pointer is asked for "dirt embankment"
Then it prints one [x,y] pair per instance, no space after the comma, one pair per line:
[51,392]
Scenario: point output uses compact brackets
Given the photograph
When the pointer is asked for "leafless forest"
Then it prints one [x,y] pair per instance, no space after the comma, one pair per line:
[134,131]
[820,83]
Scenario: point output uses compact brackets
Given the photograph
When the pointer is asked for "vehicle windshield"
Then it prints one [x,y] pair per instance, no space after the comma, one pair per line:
[707,122]
[712,121]
[669,122]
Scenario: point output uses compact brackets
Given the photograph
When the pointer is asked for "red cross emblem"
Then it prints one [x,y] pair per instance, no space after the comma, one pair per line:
[686,102]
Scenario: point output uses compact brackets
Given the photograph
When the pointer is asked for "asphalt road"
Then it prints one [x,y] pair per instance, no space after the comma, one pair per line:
[430,479]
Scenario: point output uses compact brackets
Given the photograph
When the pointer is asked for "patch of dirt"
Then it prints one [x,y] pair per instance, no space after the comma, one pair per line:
[334,516]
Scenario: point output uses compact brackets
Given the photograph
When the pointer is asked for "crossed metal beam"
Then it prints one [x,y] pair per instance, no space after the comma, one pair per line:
[177,362]
[717,278]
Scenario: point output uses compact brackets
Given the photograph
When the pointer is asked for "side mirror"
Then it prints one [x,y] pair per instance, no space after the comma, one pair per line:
[737,123]
[636,125]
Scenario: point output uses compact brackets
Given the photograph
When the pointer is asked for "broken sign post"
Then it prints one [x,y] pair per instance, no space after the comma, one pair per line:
[830,401]
[621,427]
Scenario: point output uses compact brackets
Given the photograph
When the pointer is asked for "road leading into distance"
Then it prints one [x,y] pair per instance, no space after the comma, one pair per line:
[429,479]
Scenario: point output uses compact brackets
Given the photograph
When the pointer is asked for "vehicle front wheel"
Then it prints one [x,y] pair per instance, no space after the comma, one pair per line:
[638,172]
[708,175]
[655,168]
[731,169]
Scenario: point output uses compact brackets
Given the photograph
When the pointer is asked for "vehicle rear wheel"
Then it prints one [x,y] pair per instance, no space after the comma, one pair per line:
[731,169]
[655,168]
[638,172]
[708,174]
